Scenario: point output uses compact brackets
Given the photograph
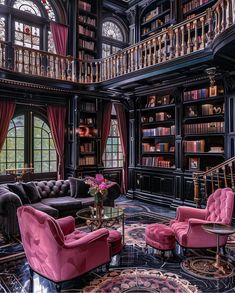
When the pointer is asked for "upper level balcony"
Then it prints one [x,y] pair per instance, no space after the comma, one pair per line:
[177,42]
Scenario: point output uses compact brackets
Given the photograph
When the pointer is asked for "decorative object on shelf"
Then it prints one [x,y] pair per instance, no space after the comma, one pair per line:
[216,149]
[194,163]
[211,72]
[191,111]
[213,91]
[151,101]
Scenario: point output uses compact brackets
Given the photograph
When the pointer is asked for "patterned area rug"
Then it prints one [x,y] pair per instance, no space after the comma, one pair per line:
[140,280]
[203,267]
[10,250]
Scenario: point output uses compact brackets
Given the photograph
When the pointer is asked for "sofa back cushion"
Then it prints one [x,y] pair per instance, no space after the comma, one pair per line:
[53,188]
[32,192]
[78,187]
[18,189]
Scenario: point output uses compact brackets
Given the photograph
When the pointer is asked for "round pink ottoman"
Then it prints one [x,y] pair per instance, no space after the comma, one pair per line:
[115,241]
[160,236]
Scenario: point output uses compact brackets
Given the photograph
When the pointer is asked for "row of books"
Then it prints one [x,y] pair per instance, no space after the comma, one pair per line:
[87,121]
[159,131]
[201,128]
[88,160]
[84,56]
[87,147]
[196,94]
[196,146]
[87,20]
[86,44]
[159,147]
[85,31]
[157,162]
[193,4]
[151,14]
[85,6]
[88,107]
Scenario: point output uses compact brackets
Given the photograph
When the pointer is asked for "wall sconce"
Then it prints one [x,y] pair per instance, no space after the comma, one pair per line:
[211,72]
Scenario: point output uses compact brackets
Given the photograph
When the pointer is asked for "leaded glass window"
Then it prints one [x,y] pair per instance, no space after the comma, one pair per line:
[51,44]
[27,6]
[111,30]
[27,35]
[49,9]
[2,1]
[12,154]
[113,155]
[45,158]
[2,28]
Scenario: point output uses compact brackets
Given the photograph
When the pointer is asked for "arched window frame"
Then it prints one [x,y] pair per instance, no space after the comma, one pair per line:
[43,22]
[29,139]
[115,45]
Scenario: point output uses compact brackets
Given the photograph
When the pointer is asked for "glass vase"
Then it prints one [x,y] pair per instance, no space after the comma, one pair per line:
[99,205]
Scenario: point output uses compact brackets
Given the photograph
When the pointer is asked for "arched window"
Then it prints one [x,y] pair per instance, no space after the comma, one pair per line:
[27,6]
[111,30]
[2,28]
[113,38]
[29,144]
[113,155]
[12,154]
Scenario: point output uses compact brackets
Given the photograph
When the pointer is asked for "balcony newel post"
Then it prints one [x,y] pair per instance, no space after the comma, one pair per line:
[203,38]
[195,47]
[189,38]
[182,41]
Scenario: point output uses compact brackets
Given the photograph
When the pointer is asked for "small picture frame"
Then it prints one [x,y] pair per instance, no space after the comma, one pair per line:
[194,164]
[163,100]
[151,101]
[191,111]
[213,91]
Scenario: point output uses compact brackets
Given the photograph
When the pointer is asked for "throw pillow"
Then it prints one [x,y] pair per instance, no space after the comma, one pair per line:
[18,189]
[32,192]
[78,187]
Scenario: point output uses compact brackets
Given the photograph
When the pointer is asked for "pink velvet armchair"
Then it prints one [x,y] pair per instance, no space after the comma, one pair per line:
[188,223]
[56,250]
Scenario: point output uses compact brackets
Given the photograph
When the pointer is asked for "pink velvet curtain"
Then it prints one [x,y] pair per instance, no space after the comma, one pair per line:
[60,37]
[56,118]
[122,126]
[7,110]
[106,125]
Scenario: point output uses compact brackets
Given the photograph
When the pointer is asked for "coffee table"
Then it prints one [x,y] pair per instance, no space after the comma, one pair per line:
[219,230]
[110,217]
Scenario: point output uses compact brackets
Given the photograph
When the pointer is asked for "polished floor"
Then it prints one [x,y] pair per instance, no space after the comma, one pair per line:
[14,275]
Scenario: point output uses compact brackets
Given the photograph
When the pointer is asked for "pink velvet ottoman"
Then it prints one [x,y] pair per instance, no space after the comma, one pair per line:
[115,242]
[160,236]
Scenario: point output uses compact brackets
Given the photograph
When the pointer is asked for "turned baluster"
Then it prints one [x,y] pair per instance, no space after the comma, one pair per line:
[205,186]
[16,56]
[195,47]
[171,48]
[115,66]
[141,56]
[177,48]
[96,72]
[218,179]
[164,47]
[210,25]
[160,49]
[225,177]
[217,29]
[124,63]
[92,71]
[149,52]
[203,37]
[196,190]
[182,41]
[80,71]
[145,55]
[212,183]
[231,175]
[104,68]
[189,38]
[154,51]
[54,67]
[23,61]
[223,19]
[229,14]
[120,64]
[136,58]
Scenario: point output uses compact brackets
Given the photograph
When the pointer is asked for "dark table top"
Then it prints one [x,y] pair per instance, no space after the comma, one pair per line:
[218,228]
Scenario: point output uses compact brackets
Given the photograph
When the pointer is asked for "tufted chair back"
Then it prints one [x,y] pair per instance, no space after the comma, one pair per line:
[220,206]
[53,188]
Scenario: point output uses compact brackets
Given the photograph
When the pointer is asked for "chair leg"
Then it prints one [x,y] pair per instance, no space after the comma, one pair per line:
[31,280]
[107,267]
[58,287]
[224,250]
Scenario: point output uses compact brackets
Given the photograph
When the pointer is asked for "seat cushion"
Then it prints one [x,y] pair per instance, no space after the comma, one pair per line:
[115,241]
[77,234]
[181,229]
[46,209]
[62,203]
[160,236]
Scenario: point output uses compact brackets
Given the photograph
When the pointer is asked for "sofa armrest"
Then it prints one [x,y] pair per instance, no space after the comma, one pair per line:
[67,224]
[83,243]
[8,201]
[185,213]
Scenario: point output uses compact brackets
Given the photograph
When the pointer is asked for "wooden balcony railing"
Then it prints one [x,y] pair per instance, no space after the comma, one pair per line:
[176,41]
[207,182]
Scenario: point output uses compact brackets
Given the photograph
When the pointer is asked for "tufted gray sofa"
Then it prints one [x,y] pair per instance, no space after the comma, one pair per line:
[55,201]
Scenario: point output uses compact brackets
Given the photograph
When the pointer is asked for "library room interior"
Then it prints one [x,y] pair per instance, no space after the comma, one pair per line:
[117,146]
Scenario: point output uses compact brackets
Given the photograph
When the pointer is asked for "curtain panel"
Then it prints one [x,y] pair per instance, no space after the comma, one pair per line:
[7,110]
[122,126]
[56,118]
[106,125]
[60,37]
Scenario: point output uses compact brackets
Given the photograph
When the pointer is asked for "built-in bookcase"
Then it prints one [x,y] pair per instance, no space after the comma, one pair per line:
[87,21]
[157,132]
[203,127]
[190,8]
